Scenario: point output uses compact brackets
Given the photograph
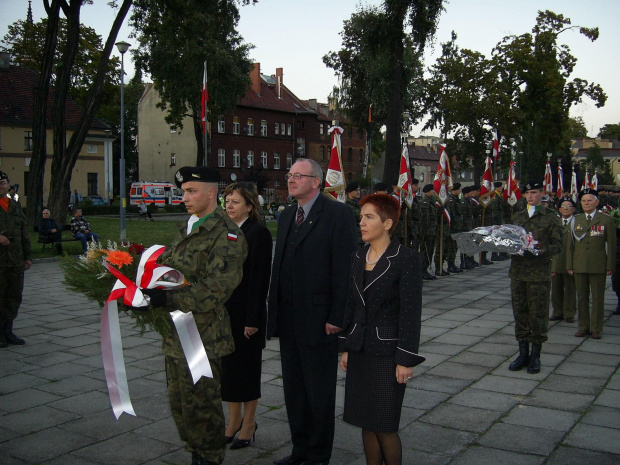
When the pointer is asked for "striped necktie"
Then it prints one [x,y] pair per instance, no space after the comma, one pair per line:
[300,216]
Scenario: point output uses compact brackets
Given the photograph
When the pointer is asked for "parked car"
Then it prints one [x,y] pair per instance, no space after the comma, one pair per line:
[96,199]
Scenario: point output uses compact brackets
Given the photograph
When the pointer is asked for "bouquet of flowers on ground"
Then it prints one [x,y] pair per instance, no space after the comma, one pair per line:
[89,275]
[505,238]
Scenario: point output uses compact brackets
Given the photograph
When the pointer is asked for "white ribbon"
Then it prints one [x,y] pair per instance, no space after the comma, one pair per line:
[194,350]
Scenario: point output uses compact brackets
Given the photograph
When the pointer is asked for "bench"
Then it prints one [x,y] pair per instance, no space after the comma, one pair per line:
[45,241]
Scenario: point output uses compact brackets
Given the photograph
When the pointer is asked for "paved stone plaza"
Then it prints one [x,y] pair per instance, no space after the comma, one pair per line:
[463,406]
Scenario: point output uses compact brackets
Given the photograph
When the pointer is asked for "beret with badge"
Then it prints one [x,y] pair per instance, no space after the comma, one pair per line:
[3,175]
[532,185]
[196,173]
[583,192]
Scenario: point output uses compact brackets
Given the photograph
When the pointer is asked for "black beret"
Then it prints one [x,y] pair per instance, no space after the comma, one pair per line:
[352,186]
[567,199]
[456,186]
[497,184]
[415,181]
[427,188]
[588,191]
[466,190]
[196,173]
[532,185]
[475,187]
[3,175]
[381,186]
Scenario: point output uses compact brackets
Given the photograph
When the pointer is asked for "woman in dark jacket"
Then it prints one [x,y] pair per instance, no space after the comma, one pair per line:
[241,371]
[381,331]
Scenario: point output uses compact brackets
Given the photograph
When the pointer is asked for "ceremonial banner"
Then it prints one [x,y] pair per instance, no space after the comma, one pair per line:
[560,187]
[512,193]
[586,181]
[496,147]
[594,182]
[574,191]
[443,178]
[548,179]
[204,100]
[404,178]
[486,188]
[334,180]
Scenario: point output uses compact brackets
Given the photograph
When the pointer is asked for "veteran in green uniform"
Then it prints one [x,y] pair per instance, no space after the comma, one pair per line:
[15,258]
[209,250]
[530,276]
[563,297]
[591,257]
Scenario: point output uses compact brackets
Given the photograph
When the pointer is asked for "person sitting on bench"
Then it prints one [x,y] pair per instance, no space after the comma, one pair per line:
[144,211]
[49,232]
[81,229]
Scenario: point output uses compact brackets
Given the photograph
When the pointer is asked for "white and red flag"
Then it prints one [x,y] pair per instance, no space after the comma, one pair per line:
[560,186]
[334,180]
[594,182]
[574,191]
[512,193]
[443,178]
[586,181]
[486,188]
[548,179]
[404,178]
[496,147]
[204,100]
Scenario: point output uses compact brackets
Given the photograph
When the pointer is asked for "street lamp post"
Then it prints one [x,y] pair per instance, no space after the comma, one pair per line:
[122,48]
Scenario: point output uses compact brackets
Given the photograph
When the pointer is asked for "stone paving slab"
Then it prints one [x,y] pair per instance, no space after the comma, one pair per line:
[535,441]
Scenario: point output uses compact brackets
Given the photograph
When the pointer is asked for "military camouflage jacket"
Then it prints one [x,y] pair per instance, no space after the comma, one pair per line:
[468,218]
[13,226]
[476,211]
[455,208]
[357,213]
[546,228]
[494,213]
[428,216]
[413,219]
[211,259]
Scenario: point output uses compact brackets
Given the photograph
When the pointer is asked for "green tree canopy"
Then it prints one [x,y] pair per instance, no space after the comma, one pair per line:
[610,131]
[577,128]
[595,163]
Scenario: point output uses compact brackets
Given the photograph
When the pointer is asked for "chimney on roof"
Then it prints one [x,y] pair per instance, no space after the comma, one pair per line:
[255,78]
[312,104]
[279,81]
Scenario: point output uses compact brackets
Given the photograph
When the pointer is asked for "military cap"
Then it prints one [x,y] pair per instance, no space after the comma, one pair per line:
[593,192]
[196,173]
[427,188]
[456,186]
[567,199]
[497,184]
[475,187]
[352,186]
[415,181]
[532,185]
[466,190]
[381,186]
[3,175]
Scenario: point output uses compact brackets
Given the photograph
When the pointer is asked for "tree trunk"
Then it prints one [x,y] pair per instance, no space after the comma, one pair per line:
[36,172]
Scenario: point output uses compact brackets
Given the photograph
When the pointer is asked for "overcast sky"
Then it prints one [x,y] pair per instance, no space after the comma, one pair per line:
[295,34]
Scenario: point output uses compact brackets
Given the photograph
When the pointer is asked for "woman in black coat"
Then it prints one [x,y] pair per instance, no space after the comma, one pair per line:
[381,331]
[241,371]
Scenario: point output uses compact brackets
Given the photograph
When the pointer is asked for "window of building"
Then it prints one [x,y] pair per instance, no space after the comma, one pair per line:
[362,156]
[276,183]
[173,159]
[301,124]
[289,129]
[282,129]
[289,161]
[276,161]
[221,124]
[28,141]
[277,129]
[236,125]
[93,184]
[222,184]
[322,153]
[221,158]
[26,182]
[350,154]
[263,158]
[91,148]
[321,129]
[236,159]
[263,128]
[250,158]
[250,126]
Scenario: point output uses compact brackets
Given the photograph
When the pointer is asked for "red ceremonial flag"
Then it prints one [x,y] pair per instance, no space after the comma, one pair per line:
[334,180]
[486,189]
[594,182]
[204,100]
[404,178]
[443,178]
[574,191]
[496,147]
[512,193]
[560,187]
[548,179]
[586,181]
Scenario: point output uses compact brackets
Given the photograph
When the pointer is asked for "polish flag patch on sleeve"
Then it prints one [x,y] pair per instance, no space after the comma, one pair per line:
[232,237]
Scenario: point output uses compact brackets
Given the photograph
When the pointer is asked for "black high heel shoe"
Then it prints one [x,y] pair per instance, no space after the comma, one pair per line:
[230,439]
[241,443]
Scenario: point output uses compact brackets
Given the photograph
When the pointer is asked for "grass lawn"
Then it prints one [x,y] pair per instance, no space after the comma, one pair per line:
[146,233]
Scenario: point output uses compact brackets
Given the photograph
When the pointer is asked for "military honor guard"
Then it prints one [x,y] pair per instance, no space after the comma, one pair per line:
[590,258]
[428,229]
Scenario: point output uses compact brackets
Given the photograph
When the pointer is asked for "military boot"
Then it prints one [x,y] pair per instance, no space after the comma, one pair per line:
[534,366]
[3,342]
[523,359]
[484,260]
[441,272]
[452,268]
[472,262]
[10,337]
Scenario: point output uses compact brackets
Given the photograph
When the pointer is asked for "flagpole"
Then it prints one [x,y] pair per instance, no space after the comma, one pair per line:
[206,111]
[368,141]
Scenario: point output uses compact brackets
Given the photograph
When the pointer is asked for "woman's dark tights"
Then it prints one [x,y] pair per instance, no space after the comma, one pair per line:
[382,448]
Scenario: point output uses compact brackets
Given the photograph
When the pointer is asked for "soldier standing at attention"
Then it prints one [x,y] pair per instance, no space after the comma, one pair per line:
[455,208]
[563,284]
[468,225]
[591,257]
[354,193]
[15,258]
[530,276]
[209,250]
[476,213]
[428,229]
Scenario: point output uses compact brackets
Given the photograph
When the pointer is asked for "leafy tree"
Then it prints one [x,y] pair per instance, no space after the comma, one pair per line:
[610,131]
[534,71]
[577,128]
[175,38]
[377,64]
[595,163]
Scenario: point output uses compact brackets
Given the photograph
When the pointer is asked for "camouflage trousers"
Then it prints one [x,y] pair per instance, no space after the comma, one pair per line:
[427,249]
[444,250]
[452,248]
[11,288]
[197,408]
[530,307]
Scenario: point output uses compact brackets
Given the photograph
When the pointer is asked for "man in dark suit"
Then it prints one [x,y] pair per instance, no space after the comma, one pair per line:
[307,295]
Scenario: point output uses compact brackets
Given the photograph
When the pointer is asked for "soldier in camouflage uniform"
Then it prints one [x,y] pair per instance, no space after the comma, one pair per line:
[15,258]
[455,208]
[428,229]
[441,238]
[531,278]
[468,225]
[354,193]
[209,250]
[476,213]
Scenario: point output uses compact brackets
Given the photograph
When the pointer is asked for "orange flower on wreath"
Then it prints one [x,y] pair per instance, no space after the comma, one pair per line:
[119,258]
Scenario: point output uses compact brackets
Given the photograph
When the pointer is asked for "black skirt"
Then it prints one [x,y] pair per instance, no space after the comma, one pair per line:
[373,398]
